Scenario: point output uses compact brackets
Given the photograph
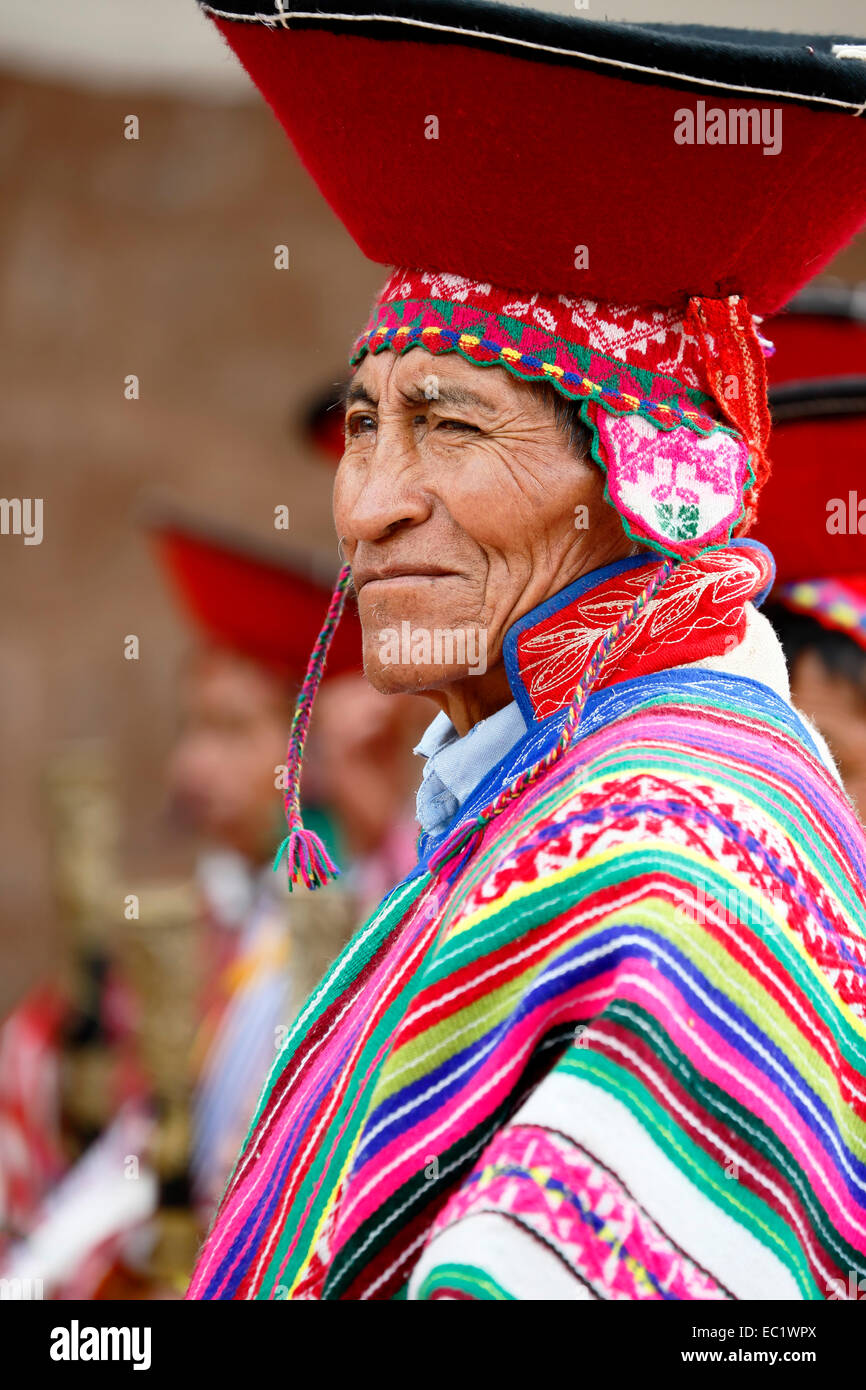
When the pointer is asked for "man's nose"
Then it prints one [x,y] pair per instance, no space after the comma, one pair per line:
[383,493]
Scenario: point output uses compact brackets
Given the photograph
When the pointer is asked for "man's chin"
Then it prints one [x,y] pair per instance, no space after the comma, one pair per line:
[409,658]
[410,680]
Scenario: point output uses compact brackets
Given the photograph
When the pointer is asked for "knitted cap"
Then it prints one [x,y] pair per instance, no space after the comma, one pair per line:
[680,454]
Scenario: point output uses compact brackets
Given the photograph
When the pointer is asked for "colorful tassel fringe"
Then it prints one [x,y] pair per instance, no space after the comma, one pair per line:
[307,860]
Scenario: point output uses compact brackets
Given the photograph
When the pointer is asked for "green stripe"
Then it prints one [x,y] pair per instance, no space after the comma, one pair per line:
[423,1189]
[341,974]
[469,1279]
[743,1207]
[550,899]
[755,1132]
[769,801]
[452,1034]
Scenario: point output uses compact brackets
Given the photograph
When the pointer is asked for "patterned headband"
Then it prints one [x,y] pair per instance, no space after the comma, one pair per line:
[675,401]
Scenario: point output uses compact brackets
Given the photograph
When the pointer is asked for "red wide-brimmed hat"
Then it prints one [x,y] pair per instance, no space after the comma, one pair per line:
[601,206]
[813,513]
[488,141]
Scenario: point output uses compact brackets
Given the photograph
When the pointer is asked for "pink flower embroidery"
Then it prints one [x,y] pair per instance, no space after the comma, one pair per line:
[677,486]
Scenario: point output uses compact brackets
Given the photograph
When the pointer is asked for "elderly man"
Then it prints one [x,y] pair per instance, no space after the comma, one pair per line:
[607,1039]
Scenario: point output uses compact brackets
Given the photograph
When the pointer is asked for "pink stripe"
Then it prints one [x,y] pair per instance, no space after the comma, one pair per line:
[753,1089]
[517,1044]
[371,1005]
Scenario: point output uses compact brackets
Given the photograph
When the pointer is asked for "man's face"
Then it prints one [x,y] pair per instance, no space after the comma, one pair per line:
[456,499]
[838,708]
[234,719]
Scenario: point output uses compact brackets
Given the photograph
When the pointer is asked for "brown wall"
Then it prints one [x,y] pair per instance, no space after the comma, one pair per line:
[152,257]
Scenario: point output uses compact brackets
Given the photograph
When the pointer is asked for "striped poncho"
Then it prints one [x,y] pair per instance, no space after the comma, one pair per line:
[617,1052]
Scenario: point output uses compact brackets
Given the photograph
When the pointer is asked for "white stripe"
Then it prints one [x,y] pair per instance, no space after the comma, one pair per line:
[674,1105]
[777,1147]
[517,1261]
[715,1241]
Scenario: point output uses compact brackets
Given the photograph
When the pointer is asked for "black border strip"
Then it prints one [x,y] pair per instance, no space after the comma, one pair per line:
[827,397]
[828,301]
[785,67]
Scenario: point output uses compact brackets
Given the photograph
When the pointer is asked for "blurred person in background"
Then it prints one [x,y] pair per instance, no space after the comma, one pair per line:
[821,624]
[817,532]
[256,611]
[74,1096]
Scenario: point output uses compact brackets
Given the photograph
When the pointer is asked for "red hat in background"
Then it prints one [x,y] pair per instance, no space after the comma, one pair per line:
[813,510]
[262,601]
[324,423]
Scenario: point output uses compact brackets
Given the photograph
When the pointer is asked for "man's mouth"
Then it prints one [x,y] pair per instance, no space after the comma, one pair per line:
[388,574]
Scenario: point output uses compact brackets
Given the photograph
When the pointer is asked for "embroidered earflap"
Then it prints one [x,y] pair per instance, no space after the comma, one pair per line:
[677,490]
[307,860]
[686,488]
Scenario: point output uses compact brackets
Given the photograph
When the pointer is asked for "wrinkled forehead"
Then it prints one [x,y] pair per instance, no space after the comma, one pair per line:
[417,377]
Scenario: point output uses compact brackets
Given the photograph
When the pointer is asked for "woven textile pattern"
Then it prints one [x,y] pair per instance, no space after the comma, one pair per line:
[700,612]
[640,1001]
[653,342]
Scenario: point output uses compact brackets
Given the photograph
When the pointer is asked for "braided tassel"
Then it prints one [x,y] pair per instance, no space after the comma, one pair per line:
[464,839]
[307,860]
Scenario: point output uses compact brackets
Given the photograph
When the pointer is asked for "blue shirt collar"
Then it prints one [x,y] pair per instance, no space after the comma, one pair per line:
[455,765]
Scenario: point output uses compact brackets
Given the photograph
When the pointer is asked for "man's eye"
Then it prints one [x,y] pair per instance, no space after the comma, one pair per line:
[457,425]
[359,424]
